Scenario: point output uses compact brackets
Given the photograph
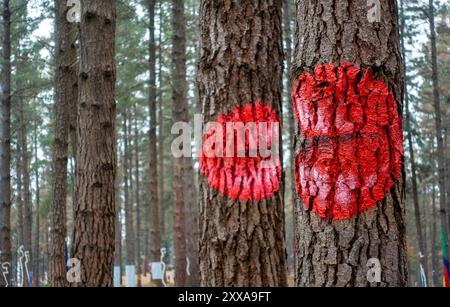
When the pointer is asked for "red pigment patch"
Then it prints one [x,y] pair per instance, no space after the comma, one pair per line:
[353,142]
[244,176]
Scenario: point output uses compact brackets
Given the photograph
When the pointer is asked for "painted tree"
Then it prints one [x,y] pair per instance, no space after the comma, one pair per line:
[240,80]
[5,144]
[94,227]
[348,94]
[66,93]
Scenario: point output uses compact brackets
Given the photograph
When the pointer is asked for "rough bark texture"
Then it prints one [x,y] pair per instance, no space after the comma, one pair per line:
[5,145]
[179,113]
[65,97]
[94,231]
[242,242]
[439,135]
[153,165]
[336,253]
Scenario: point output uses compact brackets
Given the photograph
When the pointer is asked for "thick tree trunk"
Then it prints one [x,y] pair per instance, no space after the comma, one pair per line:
[438,118]
[423,257]
[66,97]
[242,235]
[94,229]
[153,165]
[179,113]
[345,221]
[5,145]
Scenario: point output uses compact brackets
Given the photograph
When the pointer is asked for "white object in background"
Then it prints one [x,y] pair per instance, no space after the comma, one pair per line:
[157,271]
[131,276]
[117,277]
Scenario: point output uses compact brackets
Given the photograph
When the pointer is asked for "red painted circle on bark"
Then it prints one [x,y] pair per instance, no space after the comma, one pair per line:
[242,176]
[353,143]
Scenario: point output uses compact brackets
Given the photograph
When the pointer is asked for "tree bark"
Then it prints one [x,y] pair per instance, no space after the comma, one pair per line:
[179,113]
[438,119]
[5,145]
[242,241]
[335,252]
[94,230]
[65,98]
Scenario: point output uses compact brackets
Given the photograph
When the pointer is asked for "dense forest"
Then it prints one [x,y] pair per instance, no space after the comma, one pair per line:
[111,173]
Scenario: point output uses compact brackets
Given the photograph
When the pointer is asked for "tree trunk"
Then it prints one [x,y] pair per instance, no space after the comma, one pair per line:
[5,146]
[423,258]
[137,191]
[438,118]
[161,133]
[118,239]
[96,148]
[240,75]
[38,201]
[65,97]
[153,165]
[434,247]
[179,113]
[349,156]
[26,195]
[129,228]
[19,200]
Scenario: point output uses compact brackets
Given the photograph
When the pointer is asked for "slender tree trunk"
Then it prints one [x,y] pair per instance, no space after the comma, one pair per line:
[179,113]
[417,215]
[438,118]
[347,221]
[161,131]
[96,147]
[153,166]
[19,200]
[26,195]
[240,71]
[5,145]
[434,248]
[65,97]
[129,228]
[137,198]
[38,201]
[118,238]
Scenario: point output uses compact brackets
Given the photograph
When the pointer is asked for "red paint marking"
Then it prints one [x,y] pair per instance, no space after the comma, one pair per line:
[241,178]
[353,145]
